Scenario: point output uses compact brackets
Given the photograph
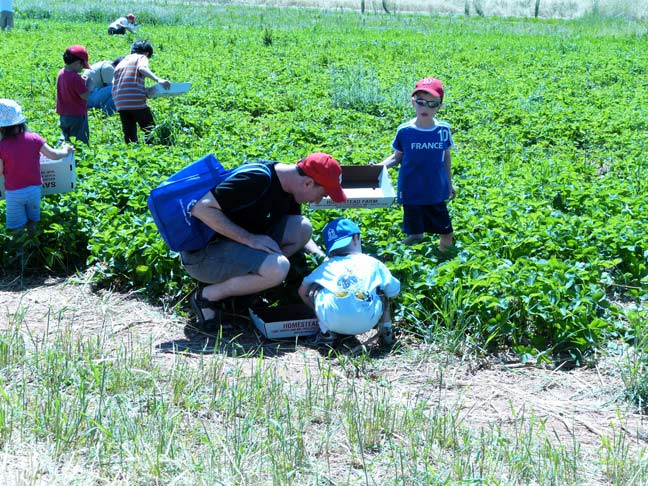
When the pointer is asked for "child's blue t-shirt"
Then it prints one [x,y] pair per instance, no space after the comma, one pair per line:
[354,273]
[349,303]
[422,178]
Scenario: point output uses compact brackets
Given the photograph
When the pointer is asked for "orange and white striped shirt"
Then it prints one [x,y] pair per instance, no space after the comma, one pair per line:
[129,91]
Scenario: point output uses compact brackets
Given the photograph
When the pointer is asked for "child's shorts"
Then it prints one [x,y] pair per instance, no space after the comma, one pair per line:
[75,126]
[431,218]
[23,205]
[350,314]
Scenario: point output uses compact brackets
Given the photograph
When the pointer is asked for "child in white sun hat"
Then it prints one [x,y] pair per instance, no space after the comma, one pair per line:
[20,152]
[350,290]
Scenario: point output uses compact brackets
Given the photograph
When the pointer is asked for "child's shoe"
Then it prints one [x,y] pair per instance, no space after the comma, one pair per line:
[323,339]
[413,239]
[386,333]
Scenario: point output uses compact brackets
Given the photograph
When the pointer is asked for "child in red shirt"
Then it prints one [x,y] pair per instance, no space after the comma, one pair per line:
[72,93]
[20,153]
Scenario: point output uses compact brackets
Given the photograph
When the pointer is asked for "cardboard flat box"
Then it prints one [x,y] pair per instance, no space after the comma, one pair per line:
[175,89]
[366,186]
[59,176]
[283,322]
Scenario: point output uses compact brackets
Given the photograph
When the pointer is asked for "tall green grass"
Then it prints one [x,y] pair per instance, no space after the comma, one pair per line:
[97,409]
[634,362]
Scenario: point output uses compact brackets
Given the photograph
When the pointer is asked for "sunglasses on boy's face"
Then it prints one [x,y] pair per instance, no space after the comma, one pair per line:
[429,104]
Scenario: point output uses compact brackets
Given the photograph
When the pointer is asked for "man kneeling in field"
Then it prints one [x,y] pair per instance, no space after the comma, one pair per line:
[257,218]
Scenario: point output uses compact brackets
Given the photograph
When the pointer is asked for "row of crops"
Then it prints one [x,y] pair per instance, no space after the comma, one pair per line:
[549,118]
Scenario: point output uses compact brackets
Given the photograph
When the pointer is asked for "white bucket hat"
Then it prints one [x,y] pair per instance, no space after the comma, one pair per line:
[10,113]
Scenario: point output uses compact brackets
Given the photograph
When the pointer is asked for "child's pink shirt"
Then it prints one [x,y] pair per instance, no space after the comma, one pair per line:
[69,88]
[20,155]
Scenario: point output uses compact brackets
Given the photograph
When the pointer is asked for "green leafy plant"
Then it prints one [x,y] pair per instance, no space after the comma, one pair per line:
[634,364]
[550,215]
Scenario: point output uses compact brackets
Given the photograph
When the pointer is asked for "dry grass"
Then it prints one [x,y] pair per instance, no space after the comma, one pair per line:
[575,409]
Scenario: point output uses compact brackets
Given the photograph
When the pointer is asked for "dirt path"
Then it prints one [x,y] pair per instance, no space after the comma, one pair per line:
[582,403]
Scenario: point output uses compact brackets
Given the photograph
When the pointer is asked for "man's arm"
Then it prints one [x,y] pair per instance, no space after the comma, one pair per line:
[106,74]
[209,212]
[304,293]
[123,22]
[312,247]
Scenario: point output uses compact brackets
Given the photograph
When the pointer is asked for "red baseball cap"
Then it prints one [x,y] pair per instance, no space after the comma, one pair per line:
[131,17]
[326,172]
[80,52]
[430,85]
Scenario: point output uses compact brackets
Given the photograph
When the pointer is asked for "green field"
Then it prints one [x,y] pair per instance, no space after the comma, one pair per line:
[550,122]
[548,117]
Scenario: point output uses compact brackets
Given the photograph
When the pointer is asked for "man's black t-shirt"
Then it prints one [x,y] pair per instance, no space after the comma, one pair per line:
[253,200]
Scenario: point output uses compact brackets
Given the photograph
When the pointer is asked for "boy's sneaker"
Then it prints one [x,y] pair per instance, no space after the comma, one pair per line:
[323,339]
[413,239]
[386,334]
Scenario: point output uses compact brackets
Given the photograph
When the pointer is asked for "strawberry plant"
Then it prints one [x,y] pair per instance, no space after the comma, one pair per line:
[550,161]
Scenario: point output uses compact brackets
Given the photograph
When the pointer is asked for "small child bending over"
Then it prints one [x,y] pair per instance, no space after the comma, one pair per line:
[349,291]
[20,152]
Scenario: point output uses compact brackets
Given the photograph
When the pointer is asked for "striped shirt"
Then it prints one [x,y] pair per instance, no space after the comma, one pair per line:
[129,92]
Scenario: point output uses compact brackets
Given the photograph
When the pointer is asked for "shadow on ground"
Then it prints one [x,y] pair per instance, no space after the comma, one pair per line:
[19,282]
[238,341]
[243,340]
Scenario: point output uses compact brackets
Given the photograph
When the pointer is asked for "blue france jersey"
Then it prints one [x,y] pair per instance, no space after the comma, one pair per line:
[422,178]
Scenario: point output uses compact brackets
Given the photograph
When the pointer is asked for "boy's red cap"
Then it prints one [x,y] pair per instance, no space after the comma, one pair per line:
[326,172]
[131,17]
[80,52]
[430,85]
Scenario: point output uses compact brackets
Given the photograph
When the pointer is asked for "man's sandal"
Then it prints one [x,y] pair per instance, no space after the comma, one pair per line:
[198,303]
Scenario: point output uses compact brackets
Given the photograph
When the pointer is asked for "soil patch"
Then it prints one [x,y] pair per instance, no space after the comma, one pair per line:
[581,404]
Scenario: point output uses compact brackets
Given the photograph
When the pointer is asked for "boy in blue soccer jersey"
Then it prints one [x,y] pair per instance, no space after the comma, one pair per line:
[422,147]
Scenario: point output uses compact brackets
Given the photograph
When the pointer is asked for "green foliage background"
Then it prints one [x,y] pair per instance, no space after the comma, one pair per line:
[549,118]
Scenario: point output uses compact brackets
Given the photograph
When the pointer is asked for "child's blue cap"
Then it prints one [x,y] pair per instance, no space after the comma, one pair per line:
[339,233]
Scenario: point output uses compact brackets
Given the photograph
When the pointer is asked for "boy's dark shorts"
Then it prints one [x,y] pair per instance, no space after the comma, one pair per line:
[224,259]
[431,218]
